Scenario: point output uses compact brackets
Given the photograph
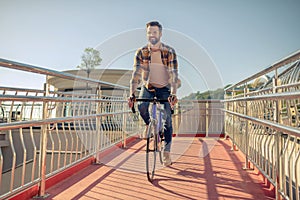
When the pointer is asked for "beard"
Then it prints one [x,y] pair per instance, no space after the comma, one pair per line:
[153,40]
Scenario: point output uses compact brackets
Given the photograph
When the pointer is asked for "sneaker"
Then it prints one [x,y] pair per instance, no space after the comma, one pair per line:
[144,134]
[167,158]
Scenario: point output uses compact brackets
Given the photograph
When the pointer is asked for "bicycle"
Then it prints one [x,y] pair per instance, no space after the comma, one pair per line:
[154,135]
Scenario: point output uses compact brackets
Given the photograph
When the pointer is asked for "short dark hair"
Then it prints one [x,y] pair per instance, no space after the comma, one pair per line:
[154,23]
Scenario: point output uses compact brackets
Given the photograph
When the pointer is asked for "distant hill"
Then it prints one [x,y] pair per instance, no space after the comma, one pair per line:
[210,94]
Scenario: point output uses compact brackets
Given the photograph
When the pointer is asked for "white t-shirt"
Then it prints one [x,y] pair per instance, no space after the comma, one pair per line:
[158,75]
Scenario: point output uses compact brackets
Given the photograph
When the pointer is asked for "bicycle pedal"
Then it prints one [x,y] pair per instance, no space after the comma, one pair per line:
[161,135]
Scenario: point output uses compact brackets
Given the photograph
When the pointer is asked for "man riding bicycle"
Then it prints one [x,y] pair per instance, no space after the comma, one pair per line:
[156,66]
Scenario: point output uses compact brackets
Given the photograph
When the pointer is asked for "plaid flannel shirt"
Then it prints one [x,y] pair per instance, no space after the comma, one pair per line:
[141,67]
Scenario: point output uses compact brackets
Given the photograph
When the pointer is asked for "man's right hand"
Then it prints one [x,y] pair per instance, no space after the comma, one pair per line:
[131,101]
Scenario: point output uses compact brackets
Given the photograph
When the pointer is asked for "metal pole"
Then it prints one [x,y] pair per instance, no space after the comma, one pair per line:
[44,146]
[124,128]
[278,142]
[234,147]
[177,118]
[247,162]
[98,124]
[206,118]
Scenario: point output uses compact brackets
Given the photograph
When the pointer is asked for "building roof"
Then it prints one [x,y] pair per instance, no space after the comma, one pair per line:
[114,76]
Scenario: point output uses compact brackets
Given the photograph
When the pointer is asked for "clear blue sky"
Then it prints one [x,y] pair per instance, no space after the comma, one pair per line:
[240,37]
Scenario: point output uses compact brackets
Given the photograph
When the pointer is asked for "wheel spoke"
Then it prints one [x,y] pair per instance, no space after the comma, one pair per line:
[150,152]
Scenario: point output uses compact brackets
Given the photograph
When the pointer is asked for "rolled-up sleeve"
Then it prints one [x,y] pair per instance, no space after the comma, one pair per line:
[137,72]
[173,70]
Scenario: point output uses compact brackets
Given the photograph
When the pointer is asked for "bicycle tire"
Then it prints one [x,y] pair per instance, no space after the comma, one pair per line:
[151,150]
[160,147]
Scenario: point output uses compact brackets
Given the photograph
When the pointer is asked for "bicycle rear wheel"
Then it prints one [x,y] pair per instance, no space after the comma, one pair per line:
[151,151]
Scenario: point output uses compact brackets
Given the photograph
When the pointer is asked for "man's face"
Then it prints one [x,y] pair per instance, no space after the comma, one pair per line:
[153,34]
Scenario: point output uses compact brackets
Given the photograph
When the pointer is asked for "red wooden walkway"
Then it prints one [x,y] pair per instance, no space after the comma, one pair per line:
[203,168]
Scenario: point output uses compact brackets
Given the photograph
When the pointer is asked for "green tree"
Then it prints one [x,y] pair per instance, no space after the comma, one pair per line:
[89,60]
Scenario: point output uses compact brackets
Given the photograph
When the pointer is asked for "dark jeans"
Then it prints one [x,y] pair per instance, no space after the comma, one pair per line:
[161,93]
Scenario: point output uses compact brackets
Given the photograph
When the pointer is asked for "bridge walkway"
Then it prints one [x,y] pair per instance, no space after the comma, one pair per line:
[203,168]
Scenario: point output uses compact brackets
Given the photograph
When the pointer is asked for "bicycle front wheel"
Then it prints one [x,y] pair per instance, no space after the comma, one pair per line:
[151,151]
[160,146]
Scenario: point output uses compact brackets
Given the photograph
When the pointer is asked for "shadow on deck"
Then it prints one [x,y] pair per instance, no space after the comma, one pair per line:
[203,168]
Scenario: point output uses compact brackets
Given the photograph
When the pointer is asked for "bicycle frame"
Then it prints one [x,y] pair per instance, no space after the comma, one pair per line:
[158,118]
[155,137]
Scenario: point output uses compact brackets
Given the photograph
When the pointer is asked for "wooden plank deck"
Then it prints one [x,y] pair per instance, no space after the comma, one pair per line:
[203,168]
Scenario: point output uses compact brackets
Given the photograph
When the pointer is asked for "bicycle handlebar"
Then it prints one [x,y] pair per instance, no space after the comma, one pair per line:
[148,100]
[152,100]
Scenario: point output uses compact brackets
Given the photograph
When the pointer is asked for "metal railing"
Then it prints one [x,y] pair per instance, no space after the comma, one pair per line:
[203,118]
[262,118]
[44,132]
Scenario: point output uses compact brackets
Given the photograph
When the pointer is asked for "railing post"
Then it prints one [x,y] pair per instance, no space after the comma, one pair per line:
[206,118]
[278,141]
[177,117]
[234,109]
[225,105]
[98,124]
[124,128]
[43,146]
[247,162]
